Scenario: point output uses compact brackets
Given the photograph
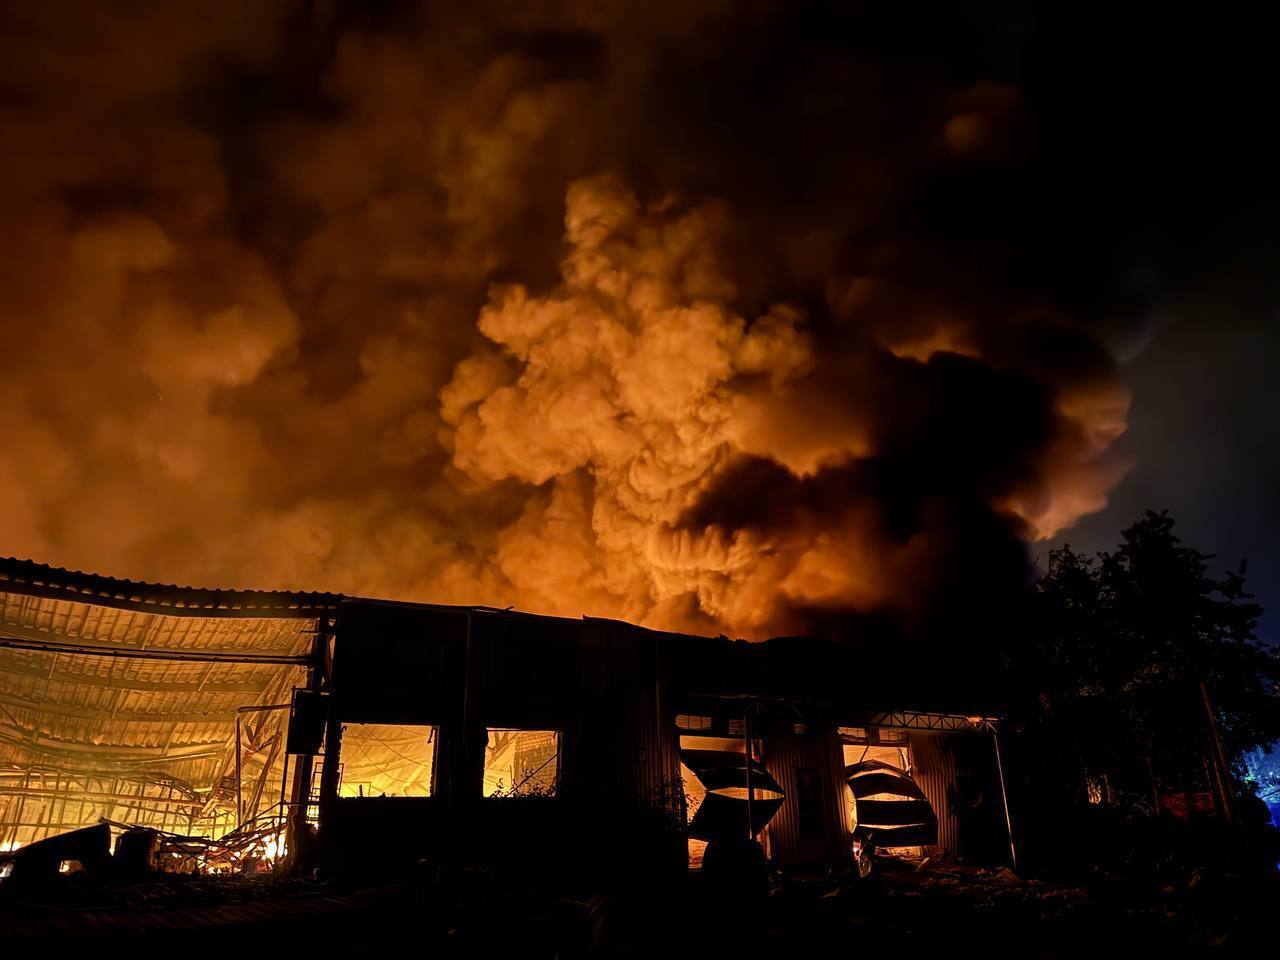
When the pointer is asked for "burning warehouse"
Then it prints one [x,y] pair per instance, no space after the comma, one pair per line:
[379,734]
[683,407]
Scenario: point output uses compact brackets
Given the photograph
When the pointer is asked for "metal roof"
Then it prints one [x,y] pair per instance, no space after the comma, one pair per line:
[39,579]
[107,682]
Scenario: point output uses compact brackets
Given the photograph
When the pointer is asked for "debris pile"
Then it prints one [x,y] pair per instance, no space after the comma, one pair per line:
[256,847]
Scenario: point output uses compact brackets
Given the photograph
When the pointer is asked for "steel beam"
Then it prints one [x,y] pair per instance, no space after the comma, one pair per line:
[123,683]
[911,720]
[136,653]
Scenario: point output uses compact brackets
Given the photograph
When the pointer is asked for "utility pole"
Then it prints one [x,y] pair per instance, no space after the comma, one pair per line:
[239,791]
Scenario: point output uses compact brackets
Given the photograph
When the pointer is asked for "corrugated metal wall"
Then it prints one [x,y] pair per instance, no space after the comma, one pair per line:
[934,764]
[827,839]
[957,772]
[629,748]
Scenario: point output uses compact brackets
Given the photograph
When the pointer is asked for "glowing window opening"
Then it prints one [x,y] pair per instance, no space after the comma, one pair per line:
[521,763]
[387,760]
[688,721]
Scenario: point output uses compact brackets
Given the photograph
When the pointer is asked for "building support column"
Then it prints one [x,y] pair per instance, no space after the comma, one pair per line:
[300,794]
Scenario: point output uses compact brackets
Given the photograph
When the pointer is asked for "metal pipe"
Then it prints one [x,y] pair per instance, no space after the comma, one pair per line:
[22,802]
[240,711]
[113,798]
[284,779]
[1004,798]
[28,739]
[239,800]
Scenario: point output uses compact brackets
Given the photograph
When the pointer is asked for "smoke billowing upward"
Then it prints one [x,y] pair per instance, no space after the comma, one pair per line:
[700,315]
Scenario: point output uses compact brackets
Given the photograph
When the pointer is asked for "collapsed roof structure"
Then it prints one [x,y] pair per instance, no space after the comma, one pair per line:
[123,700]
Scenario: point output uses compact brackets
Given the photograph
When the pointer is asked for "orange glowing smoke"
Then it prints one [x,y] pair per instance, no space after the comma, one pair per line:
[404,336]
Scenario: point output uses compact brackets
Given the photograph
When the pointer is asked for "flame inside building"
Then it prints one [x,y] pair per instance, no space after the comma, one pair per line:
[144,705]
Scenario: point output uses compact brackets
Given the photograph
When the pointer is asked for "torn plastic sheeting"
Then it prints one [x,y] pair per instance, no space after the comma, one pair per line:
[721,816]
[722,770]
[895,813]
[899,815]
[724,778]
[874,783]
[703,760]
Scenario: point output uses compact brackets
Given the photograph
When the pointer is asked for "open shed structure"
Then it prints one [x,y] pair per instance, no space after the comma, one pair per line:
[410,732]
[143,703]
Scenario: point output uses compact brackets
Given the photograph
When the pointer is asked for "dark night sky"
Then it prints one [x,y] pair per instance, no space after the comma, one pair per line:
[1178,120]
[1203,430]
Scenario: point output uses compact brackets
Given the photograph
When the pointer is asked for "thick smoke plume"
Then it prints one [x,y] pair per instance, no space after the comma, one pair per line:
[692,317]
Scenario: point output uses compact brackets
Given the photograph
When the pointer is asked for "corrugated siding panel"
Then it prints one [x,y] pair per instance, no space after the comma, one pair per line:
[957,772]
[624,741]
[934,769]
[785,750]
[653,732]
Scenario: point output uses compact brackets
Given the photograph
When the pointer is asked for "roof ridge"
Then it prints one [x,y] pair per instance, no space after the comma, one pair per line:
[46,579]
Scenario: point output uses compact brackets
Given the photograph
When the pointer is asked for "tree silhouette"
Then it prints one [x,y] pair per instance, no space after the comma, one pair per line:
[1111,685]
